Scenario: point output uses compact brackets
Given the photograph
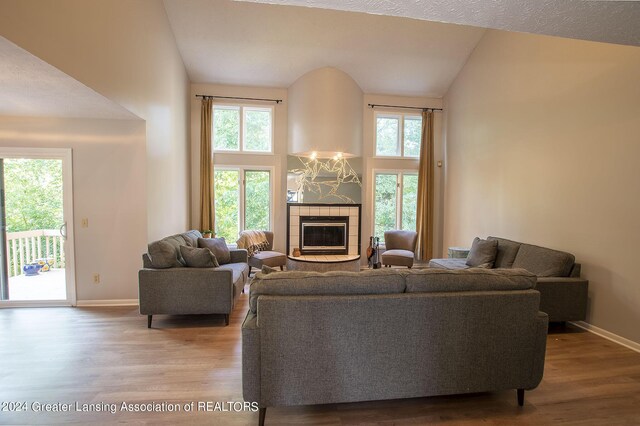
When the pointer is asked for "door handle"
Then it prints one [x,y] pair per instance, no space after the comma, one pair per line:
[63,233]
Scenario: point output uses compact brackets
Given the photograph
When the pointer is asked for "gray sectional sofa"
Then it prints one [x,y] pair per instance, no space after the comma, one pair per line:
[180,290]
[563,294]
[320,338]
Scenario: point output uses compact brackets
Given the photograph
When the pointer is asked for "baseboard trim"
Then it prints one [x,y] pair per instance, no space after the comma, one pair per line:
[107,302]
[608,335]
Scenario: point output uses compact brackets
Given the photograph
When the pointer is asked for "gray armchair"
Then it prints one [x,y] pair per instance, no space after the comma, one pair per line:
[268,257]
[400,247]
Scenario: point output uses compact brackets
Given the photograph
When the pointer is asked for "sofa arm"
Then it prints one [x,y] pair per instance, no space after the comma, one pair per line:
[563,298]
[185,291]
[251,358]
[239,256]
[540,347]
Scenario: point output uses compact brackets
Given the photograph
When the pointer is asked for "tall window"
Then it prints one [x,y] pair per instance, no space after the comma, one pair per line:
[398,135]
[395,204]
[242,200]
[242,128]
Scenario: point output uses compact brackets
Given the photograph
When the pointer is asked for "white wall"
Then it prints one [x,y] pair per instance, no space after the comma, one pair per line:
[542,147]
[125,50]
[371,163]
[108,189]
[277,160]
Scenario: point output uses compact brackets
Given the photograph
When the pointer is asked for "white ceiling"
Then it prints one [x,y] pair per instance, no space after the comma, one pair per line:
[604,21]
[241,43]
[32,87]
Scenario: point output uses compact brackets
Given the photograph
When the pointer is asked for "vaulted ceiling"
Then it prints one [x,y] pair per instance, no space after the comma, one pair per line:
[387,46]
[242,43]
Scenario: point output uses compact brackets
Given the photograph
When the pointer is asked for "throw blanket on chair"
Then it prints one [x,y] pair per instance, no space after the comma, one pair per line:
[252,241]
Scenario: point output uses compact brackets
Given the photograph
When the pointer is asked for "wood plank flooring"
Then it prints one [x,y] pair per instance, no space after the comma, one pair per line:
[107,355]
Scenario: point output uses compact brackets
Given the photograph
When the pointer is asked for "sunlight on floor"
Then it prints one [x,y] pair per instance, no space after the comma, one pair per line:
[44,286]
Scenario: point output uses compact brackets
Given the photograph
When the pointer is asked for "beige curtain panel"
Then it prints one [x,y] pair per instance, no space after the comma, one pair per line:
[424,220]
[207,213]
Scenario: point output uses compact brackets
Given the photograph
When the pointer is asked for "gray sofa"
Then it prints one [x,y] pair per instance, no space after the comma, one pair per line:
[320,338]
[563,294]
[181,290]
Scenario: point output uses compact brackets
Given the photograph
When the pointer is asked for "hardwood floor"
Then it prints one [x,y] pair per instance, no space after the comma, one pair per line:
[107,355]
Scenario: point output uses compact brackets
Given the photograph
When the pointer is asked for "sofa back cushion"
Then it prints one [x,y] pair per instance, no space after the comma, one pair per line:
[298,283]
[544,262]
[165,254]
[447,280]
[191,237]
[507,251]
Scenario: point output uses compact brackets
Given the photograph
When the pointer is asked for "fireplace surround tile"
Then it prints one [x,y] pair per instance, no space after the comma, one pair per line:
[351,211]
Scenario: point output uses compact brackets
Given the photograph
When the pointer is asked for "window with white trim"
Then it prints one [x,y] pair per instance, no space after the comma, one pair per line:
[395,201]
[242,200]
[398,134]
[239,128]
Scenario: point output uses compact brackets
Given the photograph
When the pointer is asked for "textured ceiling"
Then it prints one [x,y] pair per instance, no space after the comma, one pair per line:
[32,87]
[241,43]
[604,21]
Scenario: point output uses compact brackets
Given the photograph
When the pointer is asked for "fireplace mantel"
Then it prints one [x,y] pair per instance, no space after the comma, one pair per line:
[318,210]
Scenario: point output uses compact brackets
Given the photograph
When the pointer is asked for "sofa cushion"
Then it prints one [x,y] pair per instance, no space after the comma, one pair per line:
[300,283]
[191,237]
[482,253]
[474,279]
[176,241]
[544,262]
[218,247]
[449,263]
[163,255]
[397,257]
[198,257]
[239,271]
[507,251]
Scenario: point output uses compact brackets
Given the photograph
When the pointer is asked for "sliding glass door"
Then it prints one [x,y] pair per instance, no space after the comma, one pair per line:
[36,227]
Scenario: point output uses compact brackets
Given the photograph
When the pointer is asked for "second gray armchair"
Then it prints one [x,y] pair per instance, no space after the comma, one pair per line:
[400,247]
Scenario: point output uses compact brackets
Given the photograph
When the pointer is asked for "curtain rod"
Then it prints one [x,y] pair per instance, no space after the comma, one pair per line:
[406,107]
[235,97]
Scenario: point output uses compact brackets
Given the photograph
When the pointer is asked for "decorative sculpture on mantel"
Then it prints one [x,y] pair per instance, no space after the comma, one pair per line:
[338,166]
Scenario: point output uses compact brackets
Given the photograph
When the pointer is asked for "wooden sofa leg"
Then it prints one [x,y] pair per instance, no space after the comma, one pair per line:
[281,268]
[521,397]
[226,319]
[263,413]
[149,318]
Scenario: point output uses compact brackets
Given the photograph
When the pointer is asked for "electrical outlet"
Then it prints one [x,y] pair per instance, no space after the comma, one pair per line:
[96,278]
[85,223]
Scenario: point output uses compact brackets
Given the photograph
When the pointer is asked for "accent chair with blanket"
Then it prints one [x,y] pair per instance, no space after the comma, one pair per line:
[259,245]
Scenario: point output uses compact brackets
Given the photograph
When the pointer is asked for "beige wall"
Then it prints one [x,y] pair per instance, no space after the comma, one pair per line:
[125,50]
[277,160]
[108,189]
[543,145]
[371,163]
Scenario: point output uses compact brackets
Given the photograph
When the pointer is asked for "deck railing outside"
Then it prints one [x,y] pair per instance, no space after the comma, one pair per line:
[26,247]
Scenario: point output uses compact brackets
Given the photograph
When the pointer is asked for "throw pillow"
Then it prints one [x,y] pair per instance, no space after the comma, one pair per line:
[218,247]
[482,253]
[268,270]
[198,257]
[163,255]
